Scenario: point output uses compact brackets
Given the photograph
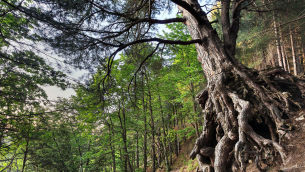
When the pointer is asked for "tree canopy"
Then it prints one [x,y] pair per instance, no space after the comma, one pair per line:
[223,72]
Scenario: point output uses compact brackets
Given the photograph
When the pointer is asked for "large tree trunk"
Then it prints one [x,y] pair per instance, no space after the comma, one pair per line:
[238,101]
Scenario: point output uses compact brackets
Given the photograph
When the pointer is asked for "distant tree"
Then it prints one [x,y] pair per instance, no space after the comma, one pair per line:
[22,75]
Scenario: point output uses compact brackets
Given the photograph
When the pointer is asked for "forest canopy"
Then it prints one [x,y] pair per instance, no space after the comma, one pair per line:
[228,73]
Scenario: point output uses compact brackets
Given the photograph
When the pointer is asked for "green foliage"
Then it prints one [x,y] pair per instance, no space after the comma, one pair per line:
[126,103]
[23,73]
[192,166]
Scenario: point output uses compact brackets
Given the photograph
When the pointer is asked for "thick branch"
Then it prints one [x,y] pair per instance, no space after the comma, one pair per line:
[158,40]
[225,19]
[190,9]
[150,21]
[147,40]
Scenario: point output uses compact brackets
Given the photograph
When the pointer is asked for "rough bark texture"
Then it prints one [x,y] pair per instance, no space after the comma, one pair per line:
[246,112]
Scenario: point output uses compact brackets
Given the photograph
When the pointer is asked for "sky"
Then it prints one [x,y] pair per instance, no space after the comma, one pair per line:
[54,92]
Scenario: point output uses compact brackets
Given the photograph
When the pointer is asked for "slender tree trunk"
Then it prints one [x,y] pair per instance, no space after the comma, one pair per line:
[178,140]
[111,134]
[177,129]
[2,126]
[303,54]
[79,149]
[126,158]
[277,42]
[164,135]
[169,146]
[25,153]
[112,153]
[167,166]
[301,60]
[145,127]
[282,50]
[300,54]
[137,151]
[88,160]
[137,128]
[285,55]
[159,149]
[152,127]
[294,56]
[286,65]
[123,133]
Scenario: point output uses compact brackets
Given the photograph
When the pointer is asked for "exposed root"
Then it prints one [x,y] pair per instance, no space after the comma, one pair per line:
[246,129]
[228,141]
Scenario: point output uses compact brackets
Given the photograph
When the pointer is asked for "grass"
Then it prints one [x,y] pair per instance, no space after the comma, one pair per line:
[192,165]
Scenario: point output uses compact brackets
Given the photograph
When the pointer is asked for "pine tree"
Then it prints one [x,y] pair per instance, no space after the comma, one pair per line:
[91,34]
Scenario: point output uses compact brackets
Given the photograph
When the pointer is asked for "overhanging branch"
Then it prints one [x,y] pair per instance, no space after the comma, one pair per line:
[150,21]
[150,40]
[135,74]
[190,9]
[160,41]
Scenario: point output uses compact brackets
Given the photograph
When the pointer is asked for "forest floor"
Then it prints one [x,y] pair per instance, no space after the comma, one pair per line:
[295,148]
[183,163]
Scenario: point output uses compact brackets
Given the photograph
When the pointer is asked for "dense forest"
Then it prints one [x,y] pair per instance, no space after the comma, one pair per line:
[227,72]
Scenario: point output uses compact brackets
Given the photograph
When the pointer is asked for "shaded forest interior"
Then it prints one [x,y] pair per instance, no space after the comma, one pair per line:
[138,103]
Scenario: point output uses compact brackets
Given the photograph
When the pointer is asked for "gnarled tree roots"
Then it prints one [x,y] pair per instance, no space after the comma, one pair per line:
[247,116]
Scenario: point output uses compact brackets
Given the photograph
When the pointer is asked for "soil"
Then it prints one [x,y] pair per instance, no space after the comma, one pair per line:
[183,163]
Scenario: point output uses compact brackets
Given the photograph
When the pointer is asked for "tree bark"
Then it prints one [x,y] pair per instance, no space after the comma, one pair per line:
[300,54]
[278,45]
[145,127]
[89,143]
[164,135]
[177,129]
[285,55]
[169,146]
[26,151]
[137,151]
[294,56]
[286,68]
[152,124]
[159,148]
[111,134]
[124,137]
[235,95]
